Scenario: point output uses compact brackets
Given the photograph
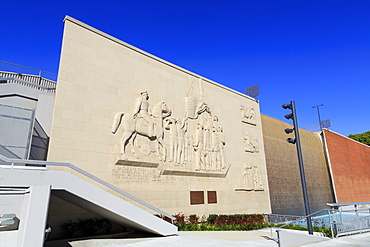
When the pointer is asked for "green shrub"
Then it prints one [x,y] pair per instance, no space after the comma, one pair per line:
[214,222]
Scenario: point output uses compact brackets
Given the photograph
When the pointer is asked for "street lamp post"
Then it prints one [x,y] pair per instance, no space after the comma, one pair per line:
[318,112]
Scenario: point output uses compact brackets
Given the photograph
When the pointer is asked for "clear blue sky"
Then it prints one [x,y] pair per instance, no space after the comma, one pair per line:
[313,52]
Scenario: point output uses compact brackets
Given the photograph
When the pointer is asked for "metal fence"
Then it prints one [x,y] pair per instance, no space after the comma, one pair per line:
[340,220]
[27,80]
[12,67]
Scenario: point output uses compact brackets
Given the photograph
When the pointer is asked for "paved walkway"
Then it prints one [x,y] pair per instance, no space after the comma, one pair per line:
[230,239]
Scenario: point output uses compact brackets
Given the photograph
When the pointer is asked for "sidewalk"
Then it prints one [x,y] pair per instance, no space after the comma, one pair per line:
[208,238]
[358,240]
[289,238]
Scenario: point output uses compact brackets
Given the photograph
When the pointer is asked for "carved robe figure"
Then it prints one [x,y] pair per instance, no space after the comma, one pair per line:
[170,124]
[181,130]
[257,178]
[207,148]
[248,176]
[198,148]
[216,157]
[221,137]
[217,143]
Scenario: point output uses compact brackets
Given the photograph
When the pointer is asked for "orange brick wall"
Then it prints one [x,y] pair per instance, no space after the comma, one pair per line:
[350,164]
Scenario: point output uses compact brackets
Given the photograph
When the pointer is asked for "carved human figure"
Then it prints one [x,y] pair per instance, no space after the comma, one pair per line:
[248,114]
[247,142]
[190,150]
[250,143]
[142,111]
[170,124]
[252,115]
[198,148]
[216,157]
[181,130]
[216,145]
[221,137]
[257,178]
[186,147]
[255,146]
[207,148]
[248,177]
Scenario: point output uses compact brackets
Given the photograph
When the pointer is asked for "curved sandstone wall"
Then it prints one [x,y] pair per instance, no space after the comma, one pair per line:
[283,169]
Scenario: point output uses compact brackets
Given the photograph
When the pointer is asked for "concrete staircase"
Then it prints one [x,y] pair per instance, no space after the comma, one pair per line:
[40,182]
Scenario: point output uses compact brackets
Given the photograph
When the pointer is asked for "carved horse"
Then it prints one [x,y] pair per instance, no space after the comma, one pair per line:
[133,126]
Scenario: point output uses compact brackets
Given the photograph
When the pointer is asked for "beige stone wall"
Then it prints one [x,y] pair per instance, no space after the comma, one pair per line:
[283,169]
[101,77]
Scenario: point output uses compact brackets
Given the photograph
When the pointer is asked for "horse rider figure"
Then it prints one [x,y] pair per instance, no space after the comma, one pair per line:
[142,111]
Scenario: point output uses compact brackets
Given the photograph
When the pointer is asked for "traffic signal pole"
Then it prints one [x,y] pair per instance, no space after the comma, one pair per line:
[301,168]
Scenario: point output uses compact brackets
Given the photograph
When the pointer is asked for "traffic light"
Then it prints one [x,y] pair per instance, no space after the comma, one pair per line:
[288,131]
[297,142]
[291,140]
[287,106]
[289,116]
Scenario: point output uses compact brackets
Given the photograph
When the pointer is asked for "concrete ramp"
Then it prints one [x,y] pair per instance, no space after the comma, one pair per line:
[78,192]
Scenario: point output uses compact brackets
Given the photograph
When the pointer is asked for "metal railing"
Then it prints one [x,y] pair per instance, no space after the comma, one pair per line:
[12,67]
[32,81]
[340,222]
[31,163]
[280,218]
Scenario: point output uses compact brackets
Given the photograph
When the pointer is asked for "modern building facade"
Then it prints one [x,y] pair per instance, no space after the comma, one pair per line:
[164,134]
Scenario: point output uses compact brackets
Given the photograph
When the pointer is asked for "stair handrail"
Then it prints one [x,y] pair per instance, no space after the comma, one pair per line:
[26,82]
[87,174]
[38,70]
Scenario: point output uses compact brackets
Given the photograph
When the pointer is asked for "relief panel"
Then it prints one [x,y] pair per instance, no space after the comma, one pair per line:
[251,179]
[193,145]
[248,115]
[250,143]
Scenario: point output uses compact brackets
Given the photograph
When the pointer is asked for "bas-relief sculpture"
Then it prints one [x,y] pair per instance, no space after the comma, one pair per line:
[252,176]
[198,150]
[248,115]
[209,146]
[142,122]
[250,143]
[251,179]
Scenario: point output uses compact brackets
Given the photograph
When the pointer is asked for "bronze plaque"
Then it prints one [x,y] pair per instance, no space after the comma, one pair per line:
[196,197]
[212,196]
